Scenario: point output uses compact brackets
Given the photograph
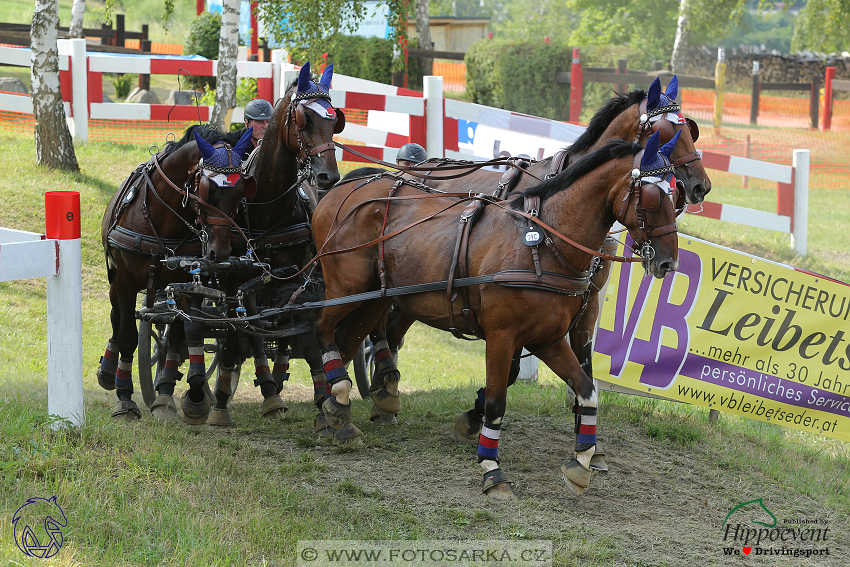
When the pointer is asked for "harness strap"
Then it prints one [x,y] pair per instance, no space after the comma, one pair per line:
[467,218]
[559,161]
[687,158]
[381,271]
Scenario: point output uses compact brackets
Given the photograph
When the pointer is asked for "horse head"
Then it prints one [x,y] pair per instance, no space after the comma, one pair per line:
[219,187]
[660,113]
[311,123]
[654,195]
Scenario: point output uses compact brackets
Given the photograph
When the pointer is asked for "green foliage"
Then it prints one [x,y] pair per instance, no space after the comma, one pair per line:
[823,25]
[371,58]
[245,92]
[203,35]
[310,29]
[202,40]
[773,30]
[123,84]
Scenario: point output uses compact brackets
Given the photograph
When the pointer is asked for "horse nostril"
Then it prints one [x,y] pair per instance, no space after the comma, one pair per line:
[211,255]
[323,179]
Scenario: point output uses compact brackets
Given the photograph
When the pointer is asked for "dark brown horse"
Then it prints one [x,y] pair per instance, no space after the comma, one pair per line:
[297,146]
[518,295]
[159,212]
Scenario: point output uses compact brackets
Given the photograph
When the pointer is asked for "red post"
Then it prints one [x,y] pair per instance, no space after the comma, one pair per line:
[255,46]
[576,87]
[827,97]
[62,215]
[199,7]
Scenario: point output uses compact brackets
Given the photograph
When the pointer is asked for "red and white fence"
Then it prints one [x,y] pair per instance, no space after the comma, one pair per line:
[792,203]
[432,121]
[57,257]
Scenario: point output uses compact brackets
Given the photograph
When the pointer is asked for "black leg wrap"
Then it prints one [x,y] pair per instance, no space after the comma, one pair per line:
[269,389]
[124,395]
[581,447]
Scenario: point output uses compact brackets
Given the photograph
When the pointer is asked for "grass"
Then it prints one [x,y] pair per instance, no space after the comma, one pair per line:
[163,494]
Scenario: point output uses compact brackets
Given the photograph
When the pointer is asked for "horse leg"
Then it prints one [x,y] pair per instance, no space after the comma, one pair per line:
[562,361]
[228,368]
[127,341]
[495,483]
[336,406]
[386,402]
[313,356]
[195,403]
[581,336]
[468,424]
[273,406]
[109,361]
[398,323]
[163,406]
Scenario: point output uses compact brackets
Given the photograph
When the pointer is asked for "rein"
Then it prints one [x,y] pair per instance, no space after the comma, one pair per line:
[468,167]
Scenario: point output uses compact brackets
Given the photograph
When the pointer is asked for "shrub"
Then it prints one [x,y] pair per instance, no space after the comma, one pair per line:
[371,58]
[202,40]
[123,83]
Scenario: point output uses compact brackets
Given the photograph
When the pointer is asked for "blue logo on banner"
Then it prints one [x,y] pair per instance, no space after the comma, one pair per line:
[33,514]
[466,131]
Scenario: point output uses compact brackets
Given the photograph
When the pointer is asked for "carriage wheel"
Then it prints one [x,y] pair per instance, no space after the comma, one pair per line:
[152,349]
[364,367]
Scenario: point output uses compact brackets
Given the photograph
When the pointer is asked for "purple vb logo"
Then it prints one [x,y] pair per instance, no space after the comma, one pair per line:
[37,513]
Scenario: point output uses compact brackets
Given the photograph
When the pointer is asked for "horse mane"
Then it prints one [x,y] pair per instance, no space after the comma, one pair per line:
[362,172]
[603,117]
[206,132]
[614,149]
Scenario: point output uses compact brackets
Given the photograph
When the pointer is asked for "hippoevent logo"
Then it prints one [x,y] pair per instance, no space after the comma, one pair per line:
[750,528]
[37,513]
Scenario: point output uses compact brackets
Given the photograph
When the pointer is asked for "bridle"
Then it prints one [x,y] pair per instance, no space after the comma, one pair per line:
[297,117]
[647,197]
[647,126]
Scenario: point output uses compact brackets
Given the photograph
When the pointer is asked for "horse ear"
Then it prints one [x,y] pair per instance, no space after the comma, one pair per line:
[673,88]
[654,95]
[651,152]
[667,149]
[327,76]
[206,148]
[304,78]
[244,143]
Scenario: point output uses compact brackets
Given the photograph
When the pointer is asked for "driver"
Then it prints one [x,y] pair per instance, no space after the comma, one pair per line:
[258,112]
[411,154]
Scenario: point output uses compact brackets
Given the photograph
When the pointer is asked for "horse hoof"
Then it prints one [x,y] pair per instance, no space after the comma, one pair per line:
[220,417]
[466,430]
[273,407]
[385,400]
[380,416]
[348,434]
[195,413]
[576,476]
[321,425]
[496,485]
[597,461]
[126,410]
[336,413]
[105,379]
[163,407]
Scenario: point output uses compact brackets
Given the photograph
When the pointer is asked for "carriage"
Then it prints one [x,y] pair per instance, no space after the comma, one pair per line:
[349,230]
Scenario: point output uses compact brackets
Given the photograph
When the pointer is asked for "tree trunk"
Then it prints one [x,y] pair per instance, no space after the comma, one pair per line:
[680,45]
[53,145]
[423,30]
[77,13]
[225,94]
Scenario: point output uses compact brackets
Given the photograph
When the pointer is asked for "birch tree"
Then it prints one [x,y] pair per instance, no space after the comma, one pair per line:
[680,44]
[77,13]
[423,30]
[53,145]
[225,94]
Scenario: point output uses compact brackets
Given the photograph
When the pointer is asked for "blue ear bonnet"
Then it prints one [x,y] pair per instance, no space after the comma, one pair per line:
[321,104]
[655,165]
[657,100]
[216,162]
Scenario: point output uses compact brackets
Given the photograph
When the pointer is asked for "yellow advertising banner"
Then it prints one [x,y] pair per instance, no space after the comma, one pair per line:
[731,332]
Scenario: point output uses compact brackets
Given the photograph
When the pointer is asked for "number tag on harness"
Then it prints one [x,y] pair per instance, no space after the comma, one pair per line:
[131,194]
[532,236]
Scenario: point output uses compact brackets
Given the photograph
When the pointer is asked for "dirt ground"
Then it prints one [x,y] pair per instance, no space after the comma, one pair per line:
[661,503]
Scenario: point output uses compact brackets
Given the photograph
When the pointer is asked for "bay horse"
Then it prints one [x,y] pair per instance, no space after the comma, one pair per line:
[297,146]
[630,116]
[158,212]
[525,298]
